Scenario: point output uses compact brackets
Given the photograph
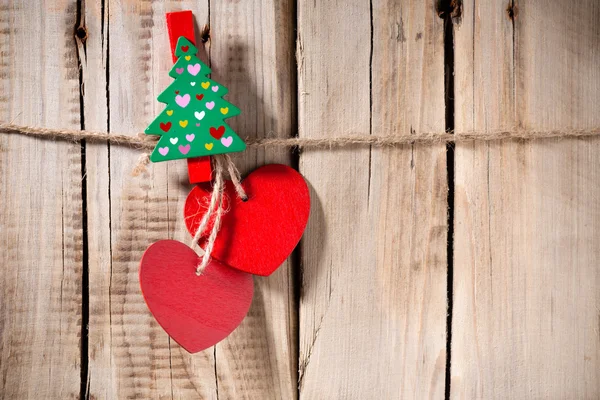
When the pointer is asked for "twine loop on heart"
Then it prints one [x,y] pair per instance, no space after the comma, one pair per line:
[221,163]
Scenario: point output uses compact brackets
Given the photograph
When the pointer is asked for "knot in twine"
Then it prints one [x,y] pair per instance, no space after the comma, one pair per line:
[215,208]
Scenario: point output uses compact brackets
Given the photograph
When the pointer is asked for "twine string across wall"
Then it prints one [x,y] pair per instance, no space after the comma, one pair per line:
[223,163]
[147,142]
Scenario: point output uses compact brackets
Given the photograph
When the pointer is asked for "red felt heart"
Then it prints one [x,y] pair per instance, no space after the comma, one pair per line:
[196,311]
[256,236]
[177,92]
[165,127]
[199,96]
[218,132]
[185,48]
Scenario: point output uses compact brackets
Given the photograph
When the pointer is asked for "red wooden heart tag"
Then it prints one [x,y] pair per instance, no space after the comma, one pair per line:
[196,311]
[256,236]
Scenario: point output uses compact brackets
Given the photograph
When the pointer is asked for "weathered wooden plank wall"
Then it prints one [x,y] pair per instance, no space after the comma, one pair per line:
[361,311]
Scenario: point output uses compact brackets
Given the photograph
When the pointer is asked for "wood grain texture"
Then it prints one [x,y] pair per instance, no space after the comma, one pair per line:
[252,54]
[526,278]
[40,194]
[373,300]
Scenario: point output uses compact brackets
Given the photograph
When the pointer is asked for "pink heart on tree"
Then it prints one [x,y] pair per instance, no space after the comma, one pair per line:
[210,105]
[215,88]
[182,101]
[193,69]
[179,70]
[184,149]
[190,137]
[163,151]
[226,141]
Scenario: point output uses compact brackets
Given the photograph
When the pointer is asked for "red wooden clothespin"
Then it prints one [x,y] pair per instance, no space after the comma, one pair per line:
[181,23]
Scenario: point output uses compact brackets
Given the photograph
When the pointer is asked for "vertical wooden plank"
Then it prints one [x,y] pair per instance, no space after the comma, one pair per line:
[373,302]
[408,199]
[139,349]
[252,53]
[40,193]
[525,322]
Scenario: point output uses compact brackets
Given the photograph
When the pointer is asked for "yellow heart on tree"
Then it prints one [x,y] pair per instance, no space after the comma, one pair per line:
[183,123]
[208,146]
[205,85]
[188,58]
[169,112]
[224,110]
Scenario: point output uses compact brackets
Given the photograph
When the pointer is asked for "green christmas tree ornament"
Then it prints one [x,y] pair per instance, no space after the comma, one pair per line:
[192,124]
